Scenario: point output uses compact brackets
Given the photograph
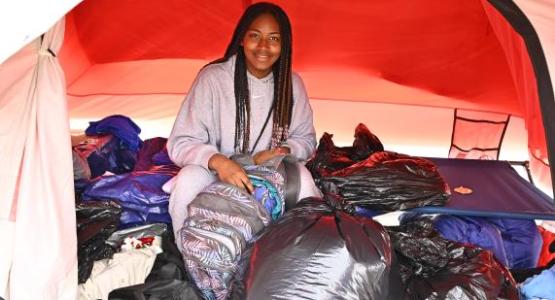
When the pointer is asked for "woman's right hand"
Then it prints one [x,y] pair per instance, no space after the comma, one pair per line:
[230,172]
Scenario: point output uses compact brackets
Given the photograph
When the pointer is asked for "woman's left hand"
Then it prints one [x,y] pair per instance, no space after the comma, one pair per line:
[266,155]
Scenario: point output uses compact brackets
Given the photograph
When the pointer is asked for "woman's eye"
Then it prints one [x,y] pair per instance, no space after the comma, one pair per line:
[274,38]
[253,35]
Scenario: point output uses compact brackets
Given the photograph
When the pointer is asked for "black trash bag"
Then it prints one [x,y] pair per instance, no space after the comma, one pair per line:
[365,143]
[96,221]
[158,290]
[388,181]
[167,279]
[435,268]
[329,157]
[317,252]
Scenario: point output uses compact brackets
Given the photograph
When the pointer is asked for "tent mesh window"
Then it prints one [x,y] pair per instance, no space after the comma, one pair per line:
[477,135]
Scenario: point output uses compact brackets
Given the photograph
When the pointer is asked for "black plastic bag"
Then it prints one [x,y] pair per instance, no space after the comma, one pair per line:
[367,176]
[435,268]
[329,158]
[96,221]
[172,289]
[317,252]
[388,181]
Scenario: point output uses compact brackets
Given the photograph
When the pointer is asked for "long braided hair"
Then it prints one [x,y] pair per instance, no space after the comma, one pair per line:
[282,104]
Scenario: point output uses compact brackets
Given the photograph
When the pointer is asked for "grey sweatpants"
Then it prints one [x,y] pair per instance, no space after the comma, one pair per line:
[192,179]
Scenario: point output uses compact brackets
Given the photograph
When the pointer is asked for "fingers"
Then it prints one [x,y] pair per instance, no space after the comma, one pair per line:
[282,150]
[243,182]
[234,174]
[249,186]
[239,179]
[261,156]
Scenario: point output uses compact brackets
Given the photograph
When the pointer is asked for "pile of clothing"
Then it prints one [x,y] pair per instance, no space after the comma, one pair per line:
[110,145]
[246,246]
[113,164]
[125,250]
[133,263]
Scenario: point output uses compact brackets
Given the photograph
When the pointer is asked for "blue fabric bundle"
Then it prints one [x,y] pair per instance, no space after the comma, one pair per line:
[268,189]
[162,158]
[522,241]
[115,147]
[475,231]
[111,157]
[120,126]
[267,194]
[139,193]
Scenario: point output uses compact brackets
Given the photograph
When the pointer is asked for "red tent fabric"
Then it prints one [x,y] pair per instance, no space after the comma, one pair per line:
[451,54]
[445,47]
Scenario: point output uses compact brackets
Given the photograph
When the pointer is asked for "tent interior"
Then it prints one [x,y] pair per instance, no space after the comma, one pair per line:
[401,67]
[400,74]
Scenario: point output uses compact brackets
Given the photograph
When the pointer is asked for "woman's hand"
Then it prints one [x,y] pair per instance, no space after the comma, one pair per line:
[266,155]
[230,172]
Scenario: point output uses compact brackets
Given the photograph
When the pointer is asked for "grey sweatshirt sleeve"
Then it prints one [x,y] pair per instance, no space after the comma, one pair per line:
[189,141]
[302,136]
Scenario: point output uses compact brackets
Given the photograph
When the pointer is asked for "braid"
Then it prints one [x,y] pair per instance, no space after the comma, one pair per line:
[283,96]
[242,105]
[282,104]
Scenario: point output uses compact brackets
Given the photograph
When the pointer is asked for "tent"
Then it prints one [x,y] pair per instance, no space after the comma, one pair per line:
[402,67]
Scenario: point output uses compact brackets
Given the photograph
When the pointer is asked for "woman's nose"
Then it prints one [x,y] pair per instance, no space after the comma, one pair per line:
[263,43]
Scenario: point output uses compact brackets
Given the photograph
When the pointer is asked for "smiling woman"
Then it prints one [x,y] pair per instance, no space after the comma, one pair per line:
[229,106]
[262,45]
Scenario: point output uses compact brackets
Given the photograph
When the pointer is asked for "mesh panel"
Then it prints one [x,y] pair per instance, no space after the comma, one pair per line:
[477,135]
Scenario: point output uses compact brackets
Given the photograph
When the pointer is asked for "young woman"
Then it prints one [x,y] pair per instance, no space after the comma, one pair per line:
[230,106]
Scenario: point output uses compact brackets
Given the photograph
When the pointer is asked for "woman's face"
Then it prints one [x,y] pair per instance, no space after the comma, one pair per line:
[262,45]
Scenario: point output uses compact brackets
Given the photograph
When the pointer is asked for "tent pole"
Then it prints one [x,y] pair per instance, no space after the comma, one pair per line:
[522,25]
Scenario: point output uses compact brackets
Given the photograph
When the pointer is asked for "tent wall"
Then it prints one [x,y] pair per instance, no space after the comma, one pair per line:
[530,73]
[36,190]
[540,15]
[72,57]
[423,56]
[371,52]
[416,130]
[400,60]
